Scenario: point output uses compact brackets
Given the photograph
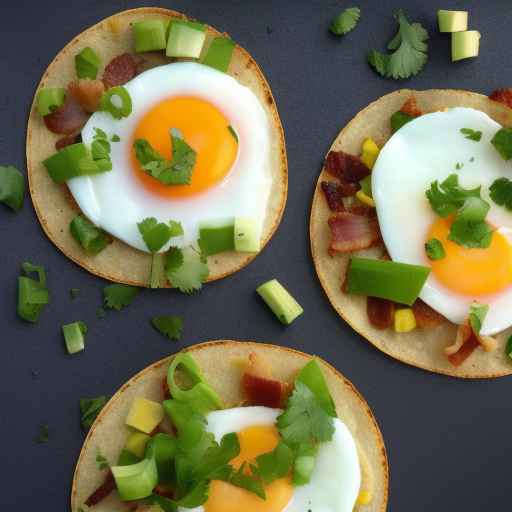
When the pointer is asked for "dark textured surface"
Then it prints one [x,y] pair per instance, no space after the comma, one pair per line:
[448,440]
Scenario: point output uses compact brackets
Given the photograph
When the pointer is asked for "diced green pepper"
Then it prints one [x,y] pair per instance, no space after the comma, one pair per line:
[163,448]
[216,237]
[186,39]
[399,282]
[127,458]
[87,63]
[279,300]
[50,99]
[398,119]
[136,481]
[32,295]
[149,35]
[219,54]
[179,413]
[91,238]
[311,376]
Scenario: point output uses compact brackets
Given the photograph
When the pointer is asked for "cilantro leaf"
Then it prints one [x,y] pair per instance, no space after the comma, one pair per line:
[469,227]
[115,138]
[117,296]
[434,249]
[477,314]
[44,434]
[470,134]
[409,51]
[246,481]
[275,464]
[446,198]
[186,269]
[90,408]
[502,141]
[101,461]
[74,293]
[501,192]
[12,187]
[155,234]
[345,21]
[168,325]
[304,420]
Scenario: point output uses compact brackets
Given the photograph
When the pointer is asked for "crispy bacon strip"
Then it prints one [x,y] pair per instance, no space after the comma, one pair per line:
[352,232]
[65,141]
[102,491]
[466,342]
[465,350]
[68,119]
[411,108]
[120,70]
[502,96]
[380,312]
[426,317]
[87,93]
[347,168]
[334,194]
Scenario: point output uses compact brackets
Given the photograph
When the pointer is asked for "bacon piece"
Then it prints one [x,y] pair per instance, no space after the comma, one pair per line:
[102,491]
[87,93]
[426,317]
[333,195]
[502,96]
[262,391]
[380,312]
[120,70]
[352,232]
[465,350]
[166,392]
[410,107]
[348,168]
[65,141]
[68,118]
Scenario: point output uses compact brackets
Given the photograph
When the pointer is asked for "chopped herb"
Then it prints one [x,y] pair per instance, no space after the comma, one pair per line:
[502,141]
[176,228]
[249,482]
[398,119]
[434,249]
[155,234]
[74,293]
[102,461]
[92,239]
[446,198]
[99,134]
[232,131]
[186,269]
[90,408]
[101,313]
[459,166]
[469,227]
[501,192]
[44,434]
[117,296]
[477,314]
[470,134]
[168,325]
[409,51]
[508,347]
[346,21]
[12,187]
[115,138]
[33,294]
[275,464]
[177,171]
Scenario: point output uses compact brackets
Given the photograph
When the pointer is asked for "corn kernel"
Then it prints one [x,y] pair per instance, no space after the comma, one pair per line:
[367,200]
[369,153]
[145,415]
[405,320]
[364,498]
[136,443]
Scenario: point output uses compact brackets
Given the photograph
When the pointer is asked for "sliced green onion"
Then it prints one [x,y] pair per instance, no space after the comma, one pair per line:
[399,282]
[12,187]
[434,249]
[186,39]
[247,235]
[117,102]
[32,295]
[162,447]
[136,481]
[87,63]
[201,397]
[477,314]
[279,300]
[149,35]
[304,464]
[179,413]
[216,237]
[91,238]
[398,119]
[219,53]
[311,376]
[157,278]
[74,336]
[50,99]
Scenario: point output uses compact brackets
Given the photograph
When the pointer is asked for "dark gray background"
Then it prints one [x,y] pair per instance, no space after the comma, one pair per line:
[448,440]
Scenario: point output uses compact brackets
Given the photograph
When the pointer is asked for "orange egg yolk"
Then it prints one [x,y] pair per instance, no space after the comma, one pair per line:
[472,271]
[224,497]
[203,127]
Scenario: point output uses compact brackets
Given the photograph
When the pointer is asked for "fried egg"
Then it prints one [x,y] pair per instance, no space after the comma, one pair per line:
[229,178]
[431,148]
[334,483]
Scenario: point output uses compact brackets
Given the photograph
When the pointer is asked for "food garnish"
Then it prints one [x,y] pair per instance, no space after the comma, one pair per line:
[91,238]
[501,192]
[345,21]
[216,237]
[399,282]
[452,21]
[380,312]
[508,347]
[246,234]
[44,434]
[434,249]
[33,294]
[186,39]
[157,277]
[233,132]
[50,99]
[157,234]
[74,336]
[465,44]
[470,134]
[117,296]
[117,102]
[149,35]
[353,230]
[218,55]
[477,314]
[279,300]
[186,269]
[502,141]
[409,51]
[12,187]
[90,408]
[74,293]
[398,119]
[404,320]
[168,325]
[87,63]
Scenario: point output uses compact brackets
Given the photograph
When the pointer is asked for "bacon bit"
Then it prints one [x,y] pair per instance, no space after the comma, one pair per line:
[348,168]
[68,118]
[261,391]
[426,317]
[362,209]
[88,93]
[166,392]
[352,232]
[502,96]
[102,491]
[464,332]
[457,358]
[120,70]
[411,108]
[65,141]
[333,193]
[344,281]
[380,312]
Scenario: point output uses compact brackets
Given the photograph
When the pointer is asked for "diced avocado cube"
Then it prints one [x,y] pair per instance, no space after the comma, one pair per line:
[465,44]
[369,153]
[282,304]
[452,21]
[145,415]
[136,443]
[50,99]
[219,54]
[87,63]
[247,235]
[149,35]
[186,39]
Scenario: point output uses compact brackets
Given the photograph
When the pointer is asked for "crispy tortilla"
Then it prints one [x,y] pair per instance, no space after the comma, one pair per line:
[53,203]
[218,361]
[420,348]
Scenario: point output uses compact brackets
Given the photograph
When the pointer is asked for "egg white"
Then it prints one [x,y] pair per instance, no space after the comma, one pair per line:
[116,201]
[336,479]
[428,149]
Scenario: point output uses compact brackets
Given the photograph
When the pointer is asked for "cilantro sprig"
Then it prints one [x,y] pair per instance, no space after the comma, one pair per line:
[90,408]
[409,49]
[502,141]
[117,296]
[446,198]
[345,21]
[170,326]
[470,134]
[186,269]
[434,249]
[501,192]
[157,234]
